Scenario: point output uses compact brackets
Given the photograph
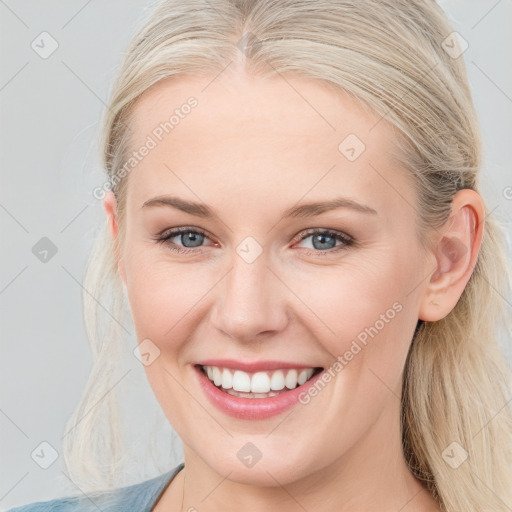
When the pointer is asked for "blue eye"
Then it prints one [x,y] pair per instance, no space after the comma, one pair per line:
[324,241]
[186,236]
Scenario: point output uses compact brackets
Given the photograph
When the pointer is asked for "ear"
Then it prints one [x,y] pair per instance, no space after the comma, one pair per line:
[456,252]
[110,207]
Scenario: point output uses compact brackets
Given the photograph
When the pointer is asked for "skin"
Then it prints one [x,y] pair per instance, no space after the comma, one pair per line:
[251,149]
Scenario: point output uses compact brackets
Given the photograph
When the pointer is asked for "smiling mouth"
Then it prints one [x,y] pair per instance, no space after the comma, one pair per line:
[262,384]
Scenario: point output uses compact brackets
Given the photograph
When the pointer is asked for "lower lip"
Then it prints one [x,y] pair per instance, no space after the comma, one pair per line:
[252,408]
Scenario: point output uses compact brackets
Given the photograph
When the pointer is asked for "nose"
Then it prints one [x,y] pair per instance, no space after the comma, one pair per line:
[251,301]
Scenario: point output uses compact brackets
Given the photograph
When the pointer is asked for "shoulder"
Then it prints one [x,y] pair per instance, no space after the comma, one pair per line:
[140,496]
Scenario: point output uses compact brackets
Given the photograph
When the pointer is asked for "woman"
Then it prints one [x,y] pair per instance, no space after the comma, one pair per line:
[293,214]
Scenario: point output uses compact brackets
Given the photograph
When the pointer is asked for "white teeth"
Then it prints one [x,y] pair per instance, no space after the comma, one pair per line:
[303,377]
[277,380]
[217,376]
[251,395]
[227,379]
[291,379]
[258,382]
[241,381]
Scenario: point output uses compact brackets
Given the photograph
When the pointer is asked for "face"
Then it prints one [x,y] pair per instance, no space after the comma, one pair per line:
[250,283]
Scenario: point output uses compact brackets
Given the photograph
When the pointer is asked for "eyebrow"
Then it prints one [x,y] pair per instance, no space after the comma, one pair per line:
[301,210]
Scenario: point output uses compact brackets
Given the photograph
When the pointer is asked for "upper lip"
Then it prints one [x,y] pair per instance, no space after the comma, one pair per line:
[254,366]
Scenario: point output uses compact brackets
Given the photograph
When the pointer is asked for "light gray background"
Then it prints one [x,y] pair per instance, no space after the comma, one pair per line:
[50,111]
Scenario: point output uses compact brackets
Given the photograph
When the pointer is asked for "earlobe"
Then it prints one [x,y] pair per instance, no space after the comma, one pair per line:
[456,253]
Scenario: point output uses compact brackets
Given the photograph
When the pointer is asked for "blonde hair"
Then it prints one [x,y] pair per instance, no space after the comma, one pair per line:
[389,56]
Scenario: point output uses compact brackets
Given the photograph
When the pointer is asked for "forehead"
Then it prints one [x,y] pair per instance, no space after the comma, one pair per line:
[290,134]
[291,107]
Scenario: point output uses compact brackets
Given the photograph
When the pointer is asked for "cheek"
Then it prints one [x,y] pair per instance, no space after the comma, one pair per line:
[165,301]
[161,292]
[350,295]
[363,311]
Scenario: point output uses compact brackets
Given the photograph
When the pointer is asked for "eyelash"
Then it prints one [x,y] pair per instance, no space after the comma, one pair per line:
[341,237]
